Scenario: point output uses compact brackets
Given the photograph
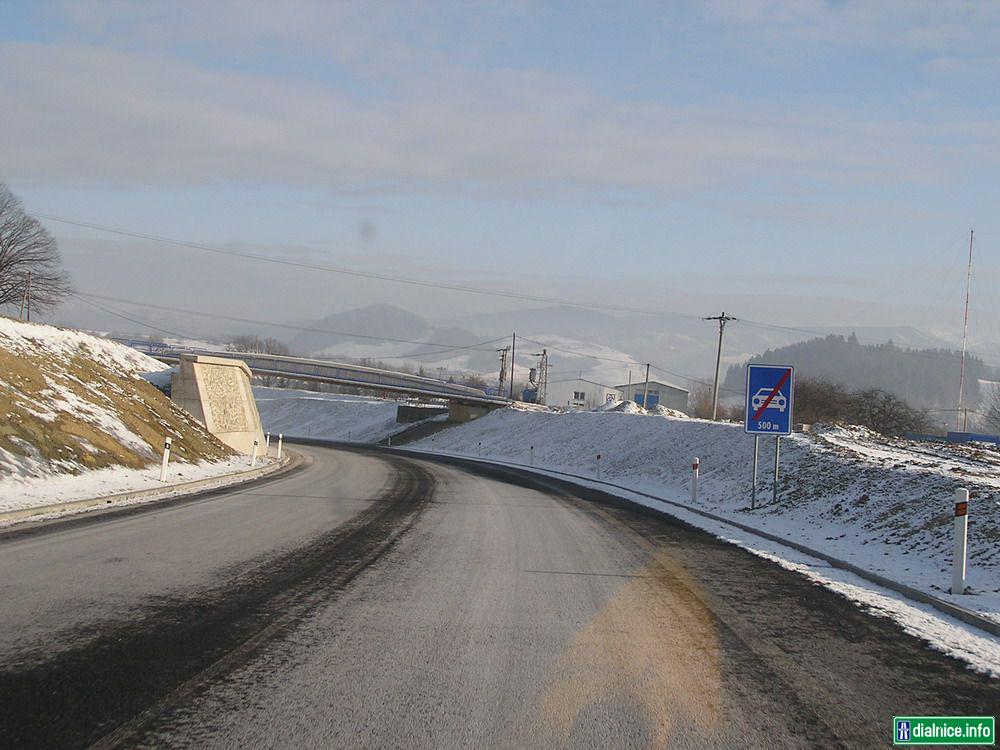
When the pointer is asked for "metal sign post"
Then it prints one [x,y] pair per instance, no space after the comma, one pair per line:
[777,455]
[770,397]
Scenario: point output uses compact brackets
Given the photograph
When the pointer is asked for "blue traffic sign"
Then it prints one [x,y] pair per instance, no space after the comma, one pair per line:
[770,396]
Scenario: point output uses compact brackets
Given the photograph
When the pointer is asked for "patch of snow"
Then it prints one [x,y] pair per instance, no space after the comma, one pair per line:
[327,416]
[19,492]
[27,338]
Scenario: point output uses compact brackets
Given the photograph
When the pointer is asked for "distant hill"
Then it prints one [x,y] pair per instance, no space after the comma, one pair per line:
[374,320]
[926,378]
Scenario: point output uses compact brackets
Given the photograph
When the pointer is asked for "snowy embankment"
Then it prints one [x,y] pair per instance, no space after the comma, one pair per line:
[81,421]
[327,416]
[882,504]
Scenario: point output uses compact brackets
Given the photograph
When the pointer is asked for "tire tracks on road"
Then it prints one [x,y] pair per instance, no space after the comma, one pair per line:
[104,693]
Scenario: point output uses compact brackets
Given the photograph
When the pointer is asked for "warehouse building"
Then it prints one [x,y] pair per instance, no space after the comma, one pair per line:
[667,394]
[579,393]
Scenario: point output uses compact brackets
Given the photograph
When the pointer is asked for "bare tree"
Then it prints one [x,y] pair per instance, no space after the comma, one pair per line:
[821,400]
[257,345]
[253,344]
[886,413]
[991,408]
[30,268]
[700,403]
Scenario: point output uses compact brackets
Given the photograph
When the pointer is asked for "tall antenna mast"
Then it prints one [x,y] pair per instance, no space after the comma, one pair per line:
[962,421]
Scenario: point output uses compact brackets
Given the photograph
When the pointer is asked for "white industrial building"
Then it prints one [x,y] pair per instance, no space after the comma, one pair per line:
[579,393]
[667,394]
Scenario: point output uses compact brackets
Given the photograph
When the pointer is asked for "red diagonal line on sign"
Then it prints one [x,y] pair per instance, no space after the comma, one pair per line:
[784,379]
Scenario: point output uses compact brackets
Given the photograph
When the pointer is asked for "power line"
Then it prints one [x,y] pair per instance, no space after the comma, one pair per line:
[121,315]
[231,318]
[367,274]
[820,333]
[691,378]
[452,287]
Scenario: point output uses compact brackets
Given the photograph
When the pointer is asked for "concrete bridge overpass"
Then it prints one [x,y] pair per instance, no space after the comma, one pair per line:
[464,401]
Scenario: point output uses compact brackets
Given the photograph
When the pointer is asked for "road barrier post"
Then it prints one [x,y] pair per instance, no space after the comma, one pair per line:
[961,538]
[166,457]
[280,436]
[253,454]
[695,466]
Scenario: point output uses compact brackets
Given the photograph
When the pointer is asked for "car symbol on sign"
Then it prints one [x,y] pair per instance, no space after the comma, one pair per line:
[779,402]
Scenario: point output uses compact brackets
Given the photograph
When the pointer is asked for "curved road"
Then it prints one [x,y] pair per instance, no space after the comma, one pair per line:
[374,600]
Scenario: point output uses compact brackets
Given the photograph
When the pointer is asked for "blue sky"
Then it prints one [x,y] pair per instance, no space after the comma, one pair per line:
[805,163]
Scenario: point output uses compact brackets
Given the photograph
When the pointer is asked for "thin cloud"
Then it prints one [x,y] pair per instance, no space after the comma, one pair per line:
[78,112]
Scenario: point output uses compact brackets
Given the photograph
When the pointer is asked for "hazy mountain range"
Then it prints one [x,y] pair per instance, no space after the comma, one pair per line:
[601,346]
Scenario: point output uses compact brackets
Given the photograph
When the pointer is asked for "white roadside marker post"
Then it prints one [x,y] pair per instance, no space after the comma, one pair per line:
[389,442]
[280,436]
[166,457]
[961,537]
[480,448]
[695,466]
[531,459]
[267,444]
[598,465]
[253,454]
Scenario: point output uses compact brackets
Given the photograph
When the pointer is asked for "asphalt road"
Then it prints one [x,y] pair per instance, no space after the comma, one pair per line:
[375,600]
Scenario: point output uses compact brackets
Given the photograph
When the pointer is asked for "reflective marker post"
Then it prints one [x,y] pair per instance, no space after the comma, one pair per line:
[598,465]
[961,538]
[166,457]
[253,454]
[531,455]
[267,444]
[695,465]
[280,436]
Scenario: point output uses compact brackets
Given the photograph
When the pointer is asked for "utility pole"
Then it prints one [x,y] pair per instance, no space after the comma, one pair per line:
[513,344]
[502,381]
[962,420]
[723,319]
[542,384]
[645,390]
[26,299]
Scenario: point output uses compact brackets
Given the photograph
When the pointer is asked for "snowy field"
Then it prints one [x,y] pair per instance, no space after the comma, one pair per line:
[327,416]
[885,505]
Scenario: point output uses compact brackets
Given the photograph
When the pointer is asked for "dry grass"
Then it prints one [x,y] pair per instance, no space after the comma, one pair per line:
[41,428]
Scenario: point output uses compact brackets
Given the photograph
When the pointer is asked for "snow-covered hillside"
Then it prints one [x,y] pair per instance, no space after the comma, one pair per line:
[74,402]
[883,504]
[326,415]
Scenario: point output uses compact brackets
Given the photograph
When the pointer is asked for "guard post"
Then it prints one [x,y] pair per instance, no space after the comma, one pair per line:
[958,569]
[166,458]
[695,466]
